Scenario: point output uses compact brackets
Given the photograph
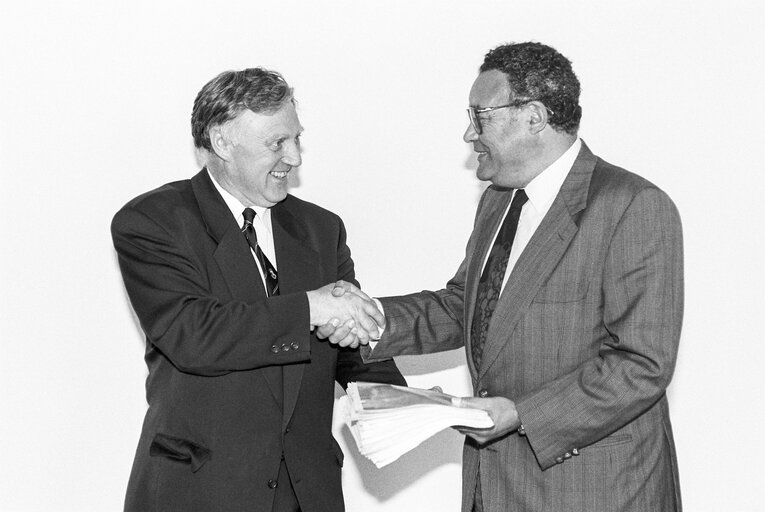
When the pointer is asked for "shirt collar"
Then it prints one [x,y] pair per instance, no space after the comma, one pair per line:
[236,207]
[543,189]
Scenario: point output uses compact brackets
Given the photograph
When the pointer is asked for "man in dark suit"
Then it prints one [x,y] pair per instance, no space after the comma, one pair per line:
[228,273]
[569,303]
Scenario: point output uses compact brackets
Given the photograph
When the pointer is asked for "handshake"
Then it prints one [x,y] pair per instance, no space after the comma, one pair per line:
[345,315]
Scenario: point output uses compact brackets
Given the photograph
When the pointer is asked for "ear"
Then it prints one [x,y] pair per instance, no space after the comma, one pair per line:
[220,142]
[538,116]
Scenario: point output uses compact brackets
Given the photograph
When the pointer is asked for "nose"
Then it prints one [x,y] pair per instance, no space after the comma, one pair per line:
[291,155]
[470,135]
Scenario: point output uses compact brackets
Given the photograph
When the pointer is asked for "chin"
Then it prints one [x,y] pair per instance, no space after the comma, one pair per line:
[484,174]
[278,198]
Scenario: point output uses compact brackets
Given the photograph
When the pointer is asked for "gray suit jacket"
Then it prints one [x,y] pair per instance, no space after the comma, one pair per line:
[584,341]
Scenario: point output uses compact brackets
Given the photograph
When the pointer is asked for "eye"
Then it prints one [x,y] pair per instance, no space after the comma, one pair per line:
[277,144]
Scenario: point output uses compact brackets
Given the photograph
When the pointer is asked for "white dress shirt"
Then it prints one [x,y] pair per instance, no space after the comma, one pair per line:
[541,192]
[261,223]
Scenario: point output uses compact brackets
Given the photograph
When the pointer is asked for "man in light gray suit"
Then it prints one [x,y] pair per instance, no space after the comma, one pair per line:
[569,303]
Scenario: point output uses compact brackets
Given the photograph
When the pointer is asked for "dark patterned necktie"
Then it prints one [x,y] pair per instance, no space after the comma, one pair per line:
[272,282]
[490,284]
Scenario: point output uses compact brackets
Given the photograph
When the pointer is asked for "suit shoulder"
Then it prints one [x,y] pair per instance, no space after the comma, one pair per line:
[156,204]
[618,190]
[619,183]
[308,210]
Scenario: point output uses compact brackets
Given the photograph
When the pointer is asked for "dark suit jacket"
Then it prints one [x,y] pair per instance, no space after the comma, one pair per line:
[584,340]
[219,414]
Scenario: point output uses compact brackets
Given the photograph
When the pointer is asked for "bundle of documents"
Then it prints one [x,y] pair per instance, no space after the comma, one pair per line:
[387,421]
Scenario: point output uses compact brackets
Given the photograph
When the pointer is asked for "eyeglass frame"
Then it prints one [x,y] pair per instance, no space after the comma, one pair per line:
[475,121]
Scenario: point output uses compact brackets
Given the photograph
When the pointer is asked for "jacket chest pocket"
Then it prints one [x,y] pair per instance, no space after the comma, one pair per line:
[562,292]
[569,282]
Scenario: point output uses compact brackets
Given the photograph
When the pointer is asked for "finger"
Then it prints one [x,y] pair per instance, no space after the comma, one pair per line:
[326,330]
[345,332]
[437,389]
[365,336]
[367,324]
[370,308]
[362,334]
[338,291]
[346,335]
[341,332]
[348,341]
[349,287]
[352,340]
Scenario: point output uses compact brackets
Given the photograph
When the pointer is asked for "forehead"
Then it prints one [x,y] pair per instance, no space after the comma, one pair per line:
[489,89]
[282,122]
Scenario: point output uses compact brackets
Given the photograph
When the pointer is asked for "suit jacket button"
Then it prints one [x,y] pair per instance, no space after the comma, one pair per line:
[559,460]
[294,345]
[285,348]
[482,393]
[574,452]
[274,349]
[566,455]
[272,484]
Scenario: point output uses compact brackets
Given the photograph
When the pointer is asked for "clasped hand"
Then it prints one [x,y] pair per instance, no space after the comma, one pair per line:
[345,315]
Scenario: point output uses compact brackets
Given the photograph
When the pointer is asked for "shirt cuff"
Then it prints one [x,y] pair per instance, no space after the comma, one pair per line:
[380,330]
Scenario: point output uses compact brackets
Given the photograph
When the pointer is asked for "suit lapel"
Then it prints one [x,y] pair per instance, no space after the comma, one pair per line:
[298,269]
[540,257]
[233,257]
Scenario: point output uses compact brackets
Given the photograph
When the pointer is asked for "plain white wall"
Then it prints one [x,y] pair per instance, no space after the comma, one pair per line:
[95,99]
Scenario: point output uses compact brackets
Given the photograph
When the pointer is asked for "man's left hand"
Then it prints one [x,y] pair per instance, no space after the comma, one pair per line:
[501,410]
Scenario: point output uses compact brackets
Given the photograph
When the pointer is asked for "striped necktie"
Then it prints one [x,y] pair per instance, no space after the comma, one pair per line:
[272,281]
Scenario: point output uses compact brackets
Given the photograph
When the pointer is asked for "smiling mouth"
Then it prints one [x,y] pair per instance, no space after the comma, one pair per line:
[280,175]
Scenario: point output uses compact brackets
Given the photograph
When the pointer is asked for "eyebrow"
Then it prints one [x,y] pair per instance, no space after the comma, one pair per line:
[283,135]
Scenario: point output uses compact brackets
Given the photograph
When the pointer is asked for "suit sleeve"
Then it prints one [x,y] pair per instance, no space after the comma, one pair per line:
[350,366]
[182,317]
[642,297]
[424,322]
[428,321]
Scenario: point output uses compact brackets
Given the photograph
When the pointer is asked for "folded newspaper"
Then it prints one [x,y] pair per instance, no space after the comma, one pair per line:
[387,421]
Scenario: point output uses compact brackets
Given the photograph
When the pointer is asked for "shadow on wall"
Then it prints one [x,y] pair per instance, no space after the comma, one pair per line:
[439,450]
[388,481]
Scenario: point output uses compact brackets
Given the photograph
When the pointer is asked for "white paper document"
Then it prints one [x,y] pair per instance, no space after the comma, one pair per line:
[387,421]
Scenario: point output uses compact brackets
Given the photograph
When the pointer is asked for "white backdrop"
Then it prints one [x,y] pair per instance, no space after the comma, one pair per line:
[95,99]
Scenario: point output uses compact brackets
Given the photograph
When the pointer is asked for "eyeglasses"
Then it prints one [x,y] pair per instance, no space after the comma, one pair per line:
[475,121]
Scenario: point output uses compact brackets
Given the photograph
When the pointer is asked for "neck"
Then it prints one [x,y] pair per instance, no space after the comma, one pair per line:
[550,150]
[216,169]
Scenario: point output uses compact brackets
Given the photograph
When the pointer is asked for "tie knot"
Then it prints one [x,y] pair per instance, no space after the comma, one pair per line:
[519,200]
[249,216]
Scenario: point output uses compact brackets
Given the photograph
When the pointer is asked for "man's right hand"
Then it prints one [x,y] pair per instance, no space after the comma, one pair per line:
[347,319]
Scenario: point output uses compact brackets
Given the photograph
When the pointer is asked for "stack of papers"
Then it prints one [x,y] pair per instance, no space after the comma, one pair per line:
[387,421]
